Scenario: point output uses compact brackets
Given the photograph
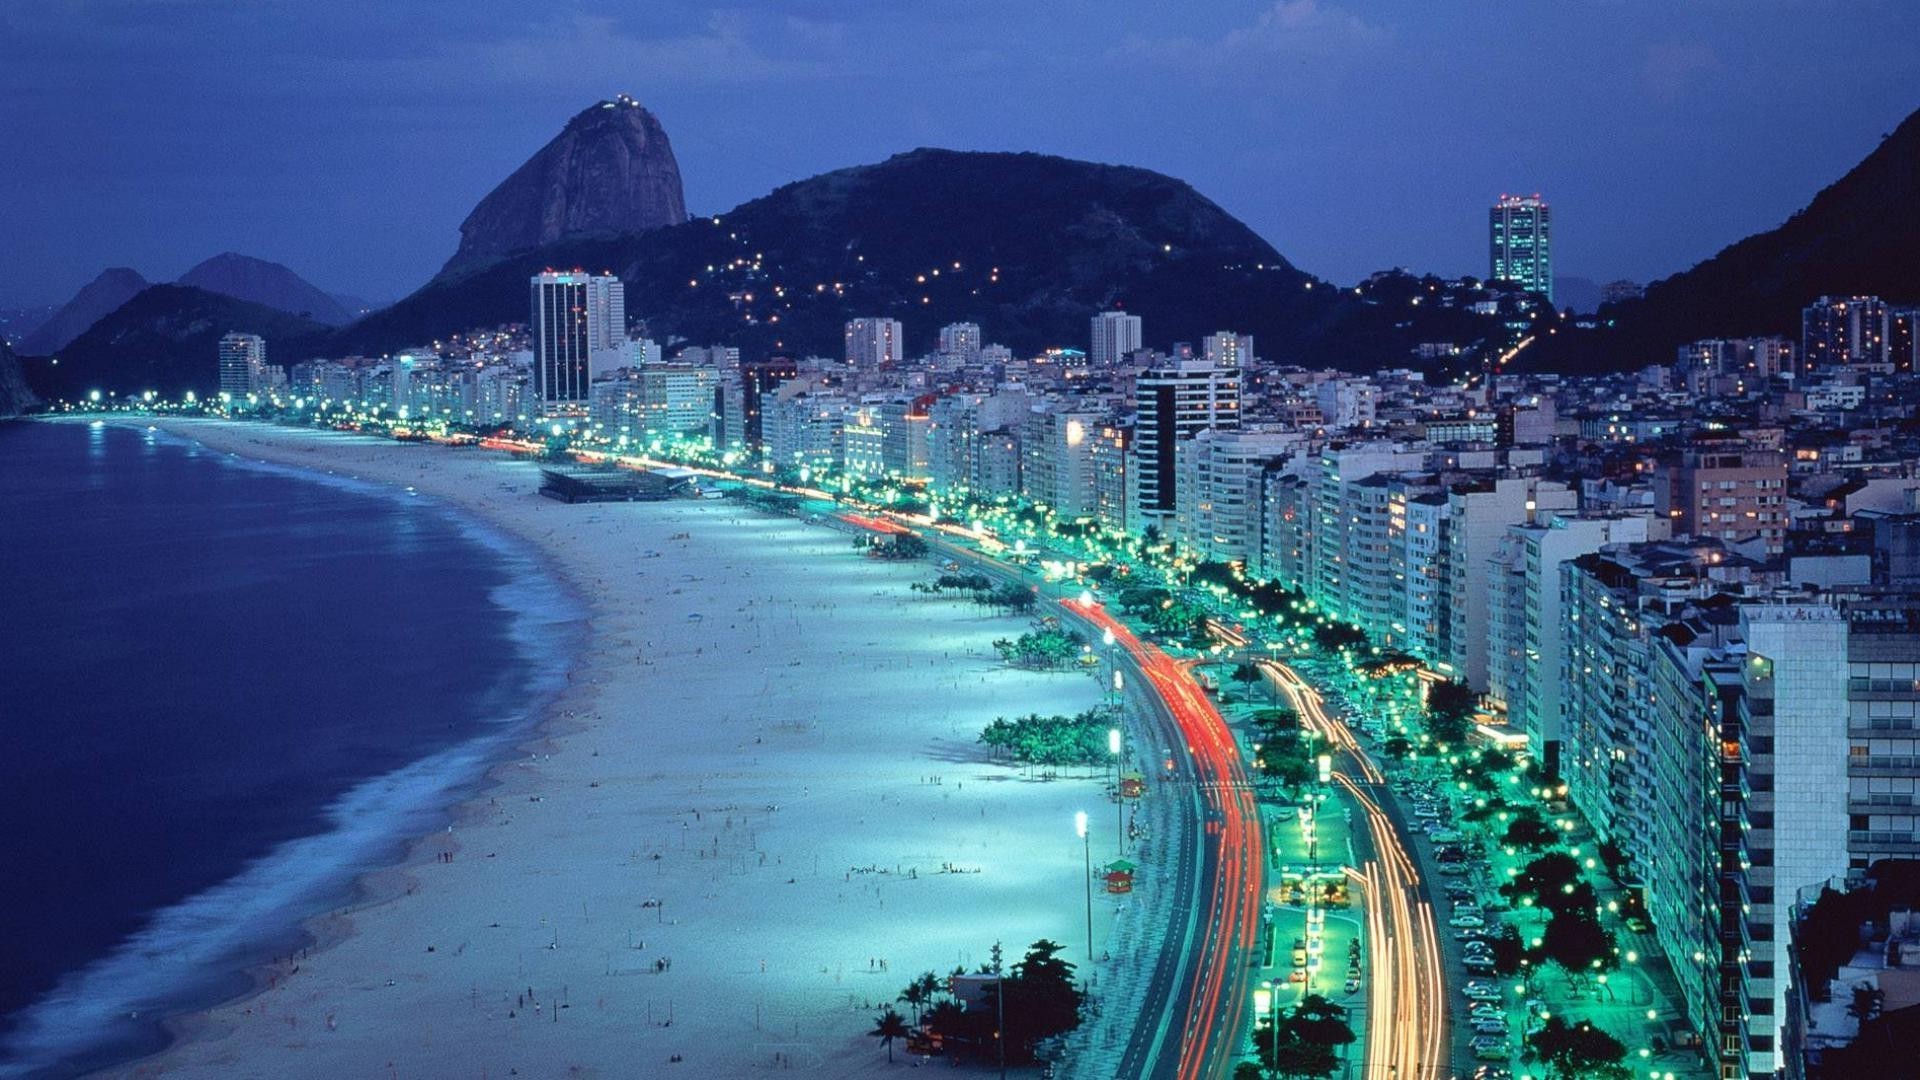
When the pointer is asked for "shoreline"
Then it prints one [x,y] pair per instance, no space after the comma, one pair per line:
[208,1041]
[531,721]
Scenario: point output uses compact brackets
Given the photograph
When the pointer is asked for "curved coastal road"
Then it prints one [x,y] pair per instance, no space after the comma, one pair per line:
[1191,1025]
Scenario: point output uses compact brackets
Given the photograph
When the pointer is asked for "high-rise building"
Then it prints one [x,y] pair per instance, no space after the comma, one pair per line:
[746,426]
[1172,403]
[243,357]
[1218,499]
[1115,334]
[1520,229]
[1228,349]
[874,343]
[1729,494]
[962,341]
[574,314]
[1843,330]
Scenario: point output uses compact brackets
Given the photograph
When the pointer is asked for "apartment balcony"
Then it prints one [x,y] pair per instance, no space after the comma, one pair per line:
[1883,765]
[1881,725]
[1883,843]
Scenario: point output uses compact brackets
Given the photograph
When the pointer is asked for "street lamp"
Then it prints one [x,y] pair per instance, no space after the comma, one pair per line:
[1086,851]
[1119,818]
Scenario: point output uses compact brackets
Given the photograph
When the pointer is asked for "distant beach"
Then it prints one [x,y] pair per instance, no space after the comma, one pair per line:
[734,840]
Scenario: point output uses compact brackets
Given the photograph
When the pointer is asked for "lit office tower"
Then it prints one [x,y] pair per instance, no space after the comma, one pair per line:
[1115,334]
[1521,228]
[1172,403]
[961,339]
[242,358]
[874,343]
[1228,349]
[573,315]
[1836,331]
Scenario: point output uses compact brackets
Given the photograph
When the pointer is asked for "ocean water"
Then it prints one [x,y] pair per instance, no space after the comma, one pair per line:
[225,689]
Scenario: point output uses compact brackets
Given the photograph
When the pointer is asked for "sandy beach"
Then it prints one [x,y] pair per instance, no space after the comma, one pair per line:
[735,840]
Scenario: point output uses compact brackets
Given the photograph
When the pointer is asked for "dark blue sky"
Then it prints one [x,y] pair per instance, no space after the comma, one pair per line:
[349,138]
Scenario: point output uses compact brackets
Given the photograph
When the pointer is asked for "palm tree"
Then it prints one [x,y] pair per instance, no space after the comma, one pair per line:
[915,996]
[890,1026]
[929,987]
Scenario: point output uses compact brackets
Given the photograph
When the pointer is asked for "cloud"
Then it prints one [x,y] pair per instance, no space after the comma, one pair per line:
[1672,69]
[731,48]
[1287,29]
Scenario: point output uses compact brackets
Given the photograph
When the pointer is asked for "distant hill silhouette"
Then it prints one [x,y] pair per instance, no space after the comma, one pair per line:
[115,286]
[1042,243]
[1860,235]
[258,281]
[15,396]
[166,340]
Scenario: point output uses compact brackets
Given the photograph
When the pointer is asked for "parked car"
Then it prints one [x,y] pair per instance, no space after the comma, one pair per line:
[1466,918]
[1481,965]
[1481,995]
[1486,1010]
[1490,1026]
[1353,986]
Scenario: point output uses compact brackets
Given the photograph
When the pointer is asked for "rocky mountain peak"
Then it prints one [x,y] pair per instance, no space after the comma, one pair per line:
[610,171]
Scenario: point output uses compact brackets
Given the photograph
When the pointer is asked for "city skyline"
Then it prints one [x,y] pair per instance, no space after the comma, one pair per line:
[1617,114]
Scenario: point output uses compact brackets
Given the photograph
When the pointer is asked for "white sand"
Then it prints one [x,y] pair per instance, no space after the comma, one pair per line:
[817,717]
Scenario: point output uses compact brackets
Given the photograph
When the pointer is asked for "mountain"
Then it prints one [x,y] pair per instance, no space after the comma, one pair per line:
[357,305]
[1029,246]
[1578,293]
[261,282]
[166,340]
[1042,243]
[1858,236]
[15,396]
[115,286]
[17,322]
[609,171]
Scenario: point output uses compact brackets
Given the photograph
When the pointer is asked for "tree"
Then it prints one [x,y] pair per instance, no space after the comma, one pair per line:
[1449,708]
[920,993]
[1320,1022]
[1508,949]
[1528,830]
[1544,877]
[1246,674]
[1011,597]
[1575,940]
[890,1025]
[1578,1050]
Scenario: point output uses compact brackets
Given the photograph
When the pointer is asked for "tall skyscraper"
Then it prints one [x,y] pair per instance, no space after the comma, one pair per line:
[1115,334]
[961,339]
[874,343]
[1521,231]
[574,314]
[243,357]
[1172,403]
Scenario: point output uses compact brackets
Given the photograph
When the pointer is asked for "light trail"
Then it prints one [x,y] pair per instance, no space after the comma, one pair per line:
[1407,1016]
[1218,986]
